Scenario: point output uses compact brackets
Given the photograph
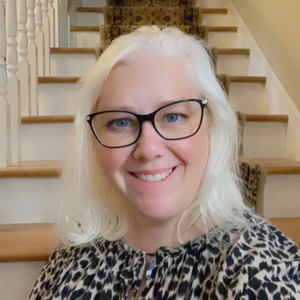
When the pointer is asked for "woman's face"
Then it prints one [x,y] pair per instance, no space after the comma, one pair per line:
[142,87]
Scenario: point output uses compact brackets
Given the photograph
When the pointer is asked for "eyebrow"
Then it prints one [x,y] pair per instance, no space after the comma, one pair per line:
[131,108]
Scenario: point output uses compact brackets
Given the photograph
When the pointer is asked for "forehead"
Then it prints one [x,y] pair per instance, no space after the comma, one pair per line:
[146,83]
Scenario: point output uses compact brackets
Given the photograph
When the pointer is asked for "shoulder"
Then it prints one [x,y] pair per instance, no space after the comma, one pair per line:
[262,262]
[64,262]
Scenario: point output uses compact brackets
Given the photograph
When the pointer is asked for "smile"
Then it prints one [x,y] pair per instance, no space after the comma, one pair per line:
[154,177]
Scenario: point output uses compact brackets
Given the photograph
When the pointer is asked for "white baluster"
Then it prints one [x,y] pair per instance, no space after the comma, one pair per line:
[32,57]
[46,31]
[4,106]
[52,23]
[39,38]
[23,64]
[13,84]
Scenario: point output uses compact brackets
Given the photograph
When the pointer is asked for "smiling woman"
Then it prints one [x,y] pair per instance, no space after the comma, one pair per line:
[152,204]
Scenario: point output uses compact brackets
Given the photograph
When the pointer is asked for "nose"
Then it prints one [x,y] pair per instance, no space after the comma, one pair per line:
[150,145]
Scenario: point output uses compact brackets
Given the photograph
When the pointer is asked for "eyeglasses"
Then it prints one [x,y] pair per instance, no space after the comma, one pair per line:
[174,121]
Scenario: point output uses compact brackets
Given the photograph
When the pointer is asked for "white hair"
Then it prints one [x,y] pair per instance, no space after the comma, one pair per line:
[87,210]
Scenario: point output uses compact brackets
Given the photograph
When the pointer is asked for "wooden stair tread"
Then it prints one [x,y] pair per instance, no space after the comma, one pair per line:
[85,28]
[222,28]
[233,79]
[248,79]
[280,166]
[70,118]
[72,50]
[222,11]
[35,242]
[234,51]
[222,51]
[47,168]
[26,242]
[266,118]
[58,79]
[47,119]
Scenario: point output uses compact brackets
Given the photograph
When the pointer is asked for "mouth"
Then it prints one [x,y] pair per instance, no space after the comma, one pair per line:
[156,177]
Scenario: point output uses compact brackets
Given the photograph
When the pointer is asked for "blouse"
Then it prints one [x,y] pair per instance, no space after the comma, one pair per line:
[257,263]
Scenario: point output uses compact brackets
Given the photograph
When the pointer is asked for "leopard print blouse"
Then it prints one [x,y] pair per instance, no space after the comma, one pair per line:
[260,263]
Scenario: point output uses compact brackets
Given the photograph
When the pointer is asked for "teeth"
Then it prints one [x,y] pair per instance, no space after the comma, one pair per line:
[154,177]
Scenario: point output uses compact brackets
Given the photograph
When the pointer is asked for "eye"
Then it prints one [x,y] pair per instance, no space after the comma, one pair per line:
[121,123]
[173,117]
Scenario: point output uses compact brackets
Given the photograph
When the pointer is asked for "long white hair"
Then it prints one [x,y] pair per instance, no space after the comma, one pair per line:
[87,210]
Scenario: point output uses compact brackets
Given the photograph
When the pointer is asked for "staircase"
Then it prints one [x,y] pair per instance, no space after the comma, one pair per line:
[29,189]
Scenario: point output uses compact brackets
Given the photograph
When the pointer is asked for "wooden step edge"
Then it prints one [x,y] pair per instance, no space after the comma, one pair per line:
[32,169]
[248,79]
[280,166]
[47,119]
[289,226]
[27,242]
[85,28]
[90,9]
[267,118]
[57,79]
[36,242]
[222,11]
[222,28]
[72,50]
[234,51]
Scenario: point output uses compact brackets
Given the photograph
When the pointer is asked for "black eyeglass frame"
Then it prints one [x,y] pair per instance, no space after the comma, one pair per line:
[144,118]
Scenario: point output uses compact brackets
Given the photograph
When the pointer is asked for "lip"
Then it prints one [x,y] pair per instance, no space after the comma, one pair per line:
[156,176]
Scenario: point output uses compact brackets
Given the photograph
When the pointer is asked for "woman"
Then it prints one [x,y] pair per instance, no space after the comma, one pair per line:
[152,204]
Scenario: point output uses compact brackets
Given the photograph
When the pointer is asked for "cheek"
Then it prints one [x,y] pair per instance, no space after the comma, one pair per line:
[198,152]
[109,160]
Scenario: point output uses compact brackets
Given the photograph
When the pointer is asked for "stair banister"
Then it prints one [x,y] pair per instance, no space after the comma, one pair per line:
[23,64]
[39,38]
[5,145]
[32,57]
[51,13]
[13,84]
[46,32]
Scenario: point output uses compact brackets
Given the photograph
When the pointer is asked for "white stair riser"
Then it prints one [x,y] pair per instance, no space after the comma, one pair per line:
[29,200]
[265,139]
[44,141]
[248,98]
[216,19]
[17,279]
[282,196]
[222,39]
[89,19]
[211,3]
[85,39]
[58,99]
[71,64]
[237,65]
[91,3]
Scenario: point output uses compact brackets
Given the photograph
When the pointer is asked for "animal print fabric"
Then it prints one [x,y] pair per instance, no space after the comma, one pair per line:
[259,263]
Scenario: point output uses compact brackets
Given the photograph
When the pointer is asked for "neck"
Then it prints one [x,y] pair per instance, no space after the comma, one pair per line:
[150,235]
